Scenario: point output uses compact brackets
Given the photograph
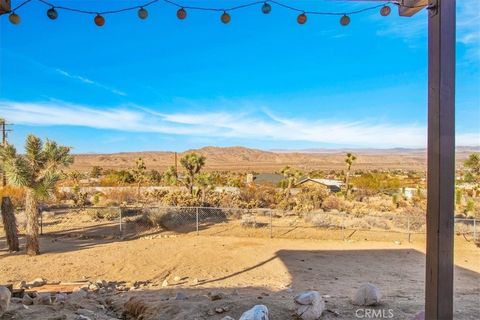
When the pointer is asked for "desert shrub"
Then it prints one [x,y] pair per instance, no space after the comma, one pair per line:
[17,195]
[103,214]
[259,196]
[120,196]
[324,220]
[309,199]
[333,203]
[166,218]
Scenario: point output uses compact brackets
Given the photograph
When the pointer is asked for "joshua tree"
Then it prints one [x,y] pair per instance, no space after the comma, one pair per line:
[96,172]
[205,182]
[192,163]
[139,173]
[291,176]
[349,160]
[37,171]
[473,165]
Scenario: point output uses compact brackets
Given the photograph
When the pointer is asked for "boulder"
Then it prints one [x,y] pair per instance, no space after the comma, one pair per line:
[367,295]
[309,305]
[258,312]
[5,296]
[27,300]
[43,298]
[180,296]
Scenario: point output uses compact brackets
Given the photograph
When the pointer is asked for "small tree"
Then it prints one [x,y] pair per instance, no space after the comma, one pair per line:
[193,163]
[472,164]
[10,224]
[96,172]
[291,177]
[139,173]
[37,171]
[205,182]
[349,160]
[170,176]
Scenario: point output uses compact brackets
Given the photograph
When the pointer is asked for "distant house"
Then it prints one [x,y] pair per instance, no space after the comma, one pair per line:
[265,178]
[332,185]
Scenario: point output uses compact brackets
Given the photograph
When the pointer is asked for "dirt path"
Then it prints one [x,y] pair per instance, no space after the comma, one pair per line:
[273,269]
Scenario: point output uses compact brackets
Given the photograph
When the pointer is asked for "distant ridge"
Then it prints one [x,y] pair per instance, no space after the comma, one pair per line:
[244,159]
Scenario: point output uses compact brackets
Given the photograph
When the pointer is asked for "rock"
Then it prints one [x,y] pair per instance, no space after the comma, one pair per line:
[27,300]
[309,305]
[177,278]
[38,282]
[180,296]
[216,296]
[195,281]
[219,310]
[367,295]
[60,297]
[79,294]
[22,285]
[93,287]
[165,283]
[5,296]
[258,312]
[43,298]
[228,318]
[85,312]
[16,300]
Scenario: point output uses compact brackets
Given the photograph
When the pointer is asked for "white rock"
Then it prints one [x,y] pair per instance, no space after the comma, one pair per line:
[165,283]
[38,282]
[5,296]
[258,312]
[367,295]
[177,278]
[228,318]
[309,305]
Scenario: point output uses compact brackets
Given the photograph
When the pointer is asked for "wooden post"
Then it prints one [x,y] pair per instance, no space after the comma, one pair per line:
[441,160]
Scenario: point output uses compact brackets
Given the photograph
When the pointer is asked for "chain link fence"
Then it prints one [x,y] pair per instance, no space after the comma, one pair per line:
[149,221]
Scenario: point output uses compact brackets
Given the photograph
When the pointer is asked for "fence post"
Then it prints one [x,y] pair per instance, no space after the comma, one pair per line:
[120,216]
[41,222]
[408,229]
[197,220]
[474,230]
[343,226]
[271,231]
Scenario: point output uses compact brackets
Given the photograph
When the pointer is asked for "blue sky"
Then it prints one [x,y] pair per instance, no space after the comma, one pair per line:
[261,81]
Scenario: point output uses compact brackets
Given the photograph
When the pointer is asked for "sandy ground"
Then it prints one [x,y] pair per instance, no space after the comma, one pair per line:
[248,270]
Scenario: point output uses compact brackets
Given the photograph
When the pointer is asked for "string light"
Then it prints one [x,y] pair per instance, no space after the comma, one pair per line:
[302,18]
[181,14]
[225,18]
[385,11]
[142,13]
[14,18]
[99,20]
[266,8]
[345,20]
[52,13]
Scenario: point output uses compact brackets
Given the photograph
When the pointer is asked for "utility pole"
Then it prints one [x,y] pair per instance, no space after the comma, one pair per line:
[4,129]
[176,165]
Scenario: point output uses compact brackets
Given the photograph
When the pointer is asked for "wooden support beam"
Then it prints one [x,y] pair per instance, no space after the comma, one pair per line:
[441,160]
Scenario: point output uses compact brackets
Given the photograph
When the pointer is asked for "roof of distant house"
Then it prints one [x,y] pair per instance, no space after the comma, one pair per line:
[325,182]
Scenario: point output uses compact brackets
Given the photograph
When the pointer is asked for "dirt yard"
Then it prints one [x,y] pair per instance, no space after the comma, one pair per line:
[247,271]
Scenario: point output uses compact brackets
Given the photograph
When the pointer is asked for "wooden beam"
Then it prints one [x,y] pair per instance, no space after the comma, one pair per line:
[441,160]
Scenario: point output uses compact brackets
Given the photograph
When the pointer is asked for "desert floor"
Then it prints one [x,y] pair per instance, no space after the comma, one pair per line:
[247,270]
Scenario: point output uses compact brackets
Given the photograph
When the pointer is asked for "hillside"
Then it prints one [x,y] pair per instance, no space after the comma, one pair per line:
[245,159]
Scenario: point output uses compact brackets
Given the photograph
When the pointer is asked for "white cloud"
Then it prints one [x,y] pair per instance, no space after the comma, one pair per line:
[88,81]
[252,126]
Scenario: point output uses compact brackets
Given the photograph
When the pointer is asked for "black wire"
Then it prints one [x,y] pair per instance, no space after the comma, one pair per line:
[394,2]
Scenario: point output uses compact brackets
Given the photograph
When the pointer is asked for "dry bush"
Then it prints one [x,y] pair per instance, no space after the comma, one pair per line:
[333,203]
[168,218]
[120,196]
[324,220]
[259,196]
[309,199]
[17,195]
[103,214]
